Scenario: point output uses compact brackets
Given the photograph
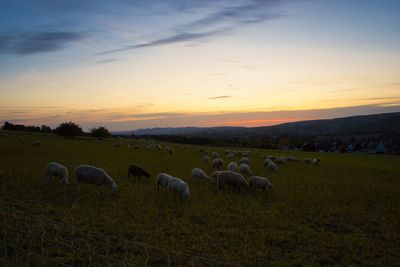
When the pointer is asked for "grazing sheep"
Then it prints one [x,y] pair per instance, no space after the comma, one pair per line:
[272,166]
[260,182]
[292,158]
[266,162]
[245,169]
[244,160]
[217,163]
[137,172]
[214,175]
[280,160]
[199,174]
[315,161]
[151,146]
[231,178]
[206,159]
[232,166]
[215,155]
[179,186]
[92,175]
[230,155]
[36,143]
[162,179]
[54,169]
[158,146]
[169,149]
[203,150]
[308,161]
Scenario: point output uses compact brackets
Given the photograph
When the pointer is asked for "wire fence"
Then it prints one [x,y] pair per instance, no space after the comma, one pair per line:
[28,239]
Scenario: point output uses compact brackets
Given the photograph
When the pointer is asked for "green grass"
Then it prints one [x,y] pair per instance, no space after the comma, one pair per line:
[344,212]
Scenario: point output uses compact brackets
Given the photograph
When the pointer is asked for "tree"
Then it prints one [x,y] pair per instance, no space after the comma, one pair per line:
[45,129]
[69,129]
[101,132]
[7,126]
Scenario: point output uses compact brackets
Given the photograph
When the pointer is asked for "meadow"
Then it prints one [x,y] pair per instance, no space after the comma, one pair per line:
[346,211]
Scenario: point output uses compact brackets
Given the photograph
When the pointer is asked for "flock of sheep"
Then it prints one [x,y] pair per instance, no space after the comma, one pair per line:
[233,176]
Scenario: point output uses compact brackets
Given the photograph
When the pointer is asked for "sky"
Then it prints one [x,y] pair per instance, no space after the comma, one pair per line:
[163,63]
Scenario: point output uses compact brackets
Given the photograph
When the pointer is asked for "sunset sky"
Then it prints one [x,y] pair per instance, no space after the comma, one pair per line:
[156,63]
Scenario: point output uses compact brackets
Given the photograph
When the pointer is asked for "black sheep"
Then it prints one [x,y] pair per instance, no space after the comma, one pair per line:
[137,172]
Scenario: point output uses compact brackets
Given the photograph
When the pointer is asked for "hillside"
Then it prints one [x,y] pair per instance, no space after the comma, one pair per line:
[366,124]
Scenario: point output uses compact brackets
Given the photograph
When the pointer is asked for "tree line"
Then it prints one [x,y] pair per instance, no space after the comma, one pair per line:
[68,129]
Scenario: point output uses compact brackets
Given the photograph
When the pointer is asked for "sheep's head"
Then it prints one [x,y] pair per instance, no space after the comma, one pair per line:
[114,187]
[215,174]
[65,181]
[185,193]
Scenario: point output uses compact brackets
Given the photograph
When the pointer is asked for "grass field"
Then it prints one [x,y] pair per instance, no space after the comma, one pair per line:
[346,211]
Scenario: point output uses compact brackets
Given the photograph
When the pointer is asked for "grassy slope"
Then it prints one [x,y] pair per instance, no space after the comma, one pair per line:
[345,211]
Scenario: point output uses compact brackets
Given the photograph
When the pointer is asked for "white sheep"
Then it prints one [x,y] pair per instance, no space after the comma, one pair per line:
[280,160]
[267,161]
[231,178]
[217,163]
[169,149]
[232,166]
[206,159]
[260,182]
[93,175]
[245,169]
[199,174]
[54,169]
[230,155]
[308,160]
[179,186]
[245,153]
[271,165]
[245,160]
[215,155]
[162,179]
[292,158]
[36,143]
[214,175]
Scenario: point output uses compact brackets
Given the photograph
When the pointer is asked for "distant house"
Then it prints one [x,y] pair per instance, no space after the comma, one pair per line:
[380,147]
[349,148]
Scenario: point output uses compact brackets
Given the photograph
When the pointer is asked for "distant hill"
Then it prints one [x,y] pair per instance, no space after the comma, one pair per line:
[354,125]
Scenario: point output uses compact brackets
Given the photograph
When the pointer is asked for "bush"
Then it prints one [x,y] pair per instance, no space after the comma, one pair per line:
[69,129]
[101,132]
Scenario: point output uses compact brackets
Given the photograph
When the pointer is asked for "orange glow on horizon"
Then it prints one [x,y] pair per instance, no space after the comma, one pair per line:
[258,123]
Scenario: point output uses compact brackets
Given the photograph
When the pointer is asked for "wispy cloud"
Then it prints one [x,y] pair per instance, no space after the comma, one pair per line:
[222,97]
[175,38]
[46,42]
[37,42]
[4,40]
[227,18]
[107,60]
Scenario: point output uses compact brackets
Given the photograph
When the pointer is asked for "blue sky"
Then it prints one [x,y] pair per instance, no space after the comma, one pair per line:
[142,62]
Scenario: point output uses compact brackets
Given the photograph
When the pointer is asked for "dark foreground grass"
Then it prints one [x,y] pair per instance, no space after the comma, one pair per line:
[344,212]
